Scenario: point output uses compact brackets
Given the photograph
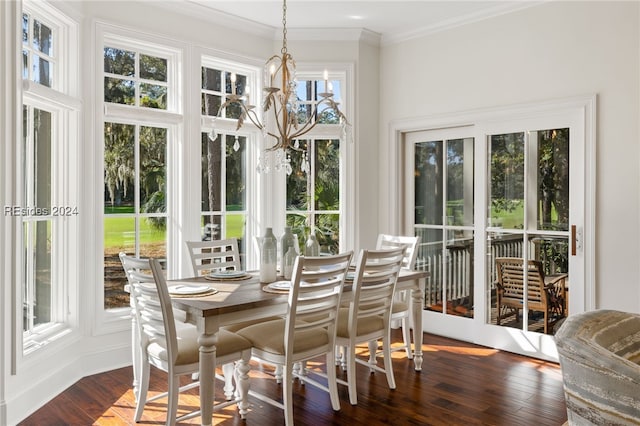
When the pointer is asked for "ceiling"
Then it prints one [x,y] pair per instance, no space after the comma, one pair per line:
[392,20]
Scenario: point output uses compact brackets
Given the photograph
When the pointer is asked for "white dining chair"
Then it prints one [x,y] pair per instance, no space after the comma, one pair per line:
[173,347]
[367,317]
[137,270]
[308,330]
[214,255]
[401,308]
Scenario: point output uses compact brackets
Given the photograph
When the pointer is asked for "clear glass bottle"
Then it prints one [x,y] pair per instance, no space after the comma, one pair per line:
[312,247]
[268,257]
[288,261]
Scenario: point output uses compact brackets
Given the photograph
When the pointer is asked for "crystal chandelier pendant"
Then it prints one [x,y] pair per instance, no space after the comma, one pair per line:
[213,135]
[236,145]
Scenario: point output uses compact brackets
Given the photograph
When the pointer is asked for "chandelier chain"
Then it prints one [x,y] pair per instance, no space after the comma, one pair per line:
[284,27]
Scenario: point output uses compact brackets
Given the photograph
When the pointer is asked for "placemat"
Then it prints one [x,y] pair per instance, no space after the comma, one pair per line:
[206,293]
[242,278]
[268,289]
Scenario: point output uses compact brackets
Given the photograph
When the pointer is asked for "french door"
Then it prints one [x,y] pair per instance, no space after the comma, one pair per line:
[509,188]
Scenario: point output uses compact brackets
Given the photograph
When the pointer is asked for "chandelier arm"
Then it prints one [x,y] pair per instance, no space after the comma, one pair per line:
[303,131]
[281,127]
[253,117]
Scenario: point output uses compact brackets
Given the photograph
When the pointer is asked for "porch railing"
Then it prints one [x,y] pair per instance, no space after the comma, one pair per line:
[457,267]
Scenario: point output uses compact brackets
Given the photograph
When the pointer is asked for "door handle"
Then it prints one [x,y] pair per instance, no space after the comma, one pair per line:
[576,239]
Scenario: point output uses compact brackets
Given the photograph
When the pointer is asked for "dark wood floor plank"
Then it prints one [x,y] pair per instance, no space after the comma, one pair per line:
[461,384]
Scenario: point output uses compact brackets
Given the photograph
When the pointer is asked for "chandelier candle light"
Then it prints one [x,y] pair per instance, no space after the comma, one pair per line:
[281,104]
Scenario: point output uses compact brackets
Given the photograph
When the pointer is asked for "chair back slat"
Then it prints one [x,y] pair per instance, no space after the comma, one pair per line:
[511,280]
[314,298]
[209,256]
[374,284]
[152,303]
[410,244]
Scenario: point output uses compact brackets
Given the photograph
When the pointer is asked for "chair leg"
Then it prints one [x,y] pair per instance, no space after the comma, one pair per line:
[287,393]
[227,372]
[332,382]
[242,385]
[143,387]
[546,321]
[388,365]
[338,355]
[343,357]
[278,373]
[174,394]
[373,349]
[351,373]
[302,371]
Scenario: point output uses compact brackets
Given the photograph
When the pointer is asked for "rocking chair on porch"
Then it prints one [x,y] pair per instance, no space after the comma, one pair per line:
[544,294]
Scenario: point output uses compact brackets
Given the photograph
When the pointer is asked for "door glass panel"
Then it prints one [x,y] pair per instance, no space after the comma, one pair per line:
[529,216]
[428,183]
[553,179]
[506,170]
[446,231]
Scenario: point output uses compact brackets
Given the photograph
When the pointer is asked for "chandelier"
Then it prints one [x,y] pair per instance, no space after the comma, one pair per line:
[283,118]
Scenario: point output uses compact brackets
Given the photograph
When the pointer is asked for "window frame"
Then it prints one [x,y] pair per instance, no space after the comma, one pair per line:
[171,118]
[343,73]
[61,102]
[255,193]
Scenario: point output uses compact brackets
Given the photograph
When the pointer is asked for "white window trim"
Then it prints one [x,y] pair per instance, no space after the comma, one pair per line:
[255,194]
[343,72]
[118,319]
[65,108]
[581,105]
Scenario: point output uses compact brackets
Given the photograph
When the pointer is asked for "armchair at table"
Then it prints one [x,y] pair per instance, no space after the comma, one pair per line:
[599,354]
[544,294]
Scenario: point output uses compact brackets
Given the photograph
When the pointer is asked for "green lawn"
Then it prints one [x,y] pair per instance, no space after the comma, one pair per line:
[118,231]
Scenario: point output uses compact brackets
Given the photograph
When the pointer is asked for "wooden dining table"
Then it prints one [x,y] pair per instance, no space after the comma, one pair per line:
[242,300]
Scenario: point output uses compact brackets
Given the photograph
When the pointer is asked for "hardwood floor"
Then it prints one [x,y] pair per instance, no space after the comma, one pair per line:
[460,384]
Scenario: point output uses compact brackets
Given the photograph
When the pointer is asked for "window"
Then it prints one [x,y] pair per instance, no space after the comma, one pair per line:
[140,86]
[313,198]
[224,181]
[37,222]
[38,60]
[217,85]
[48,208]
[225,155]
[316,187]
[134,78]
[135,218]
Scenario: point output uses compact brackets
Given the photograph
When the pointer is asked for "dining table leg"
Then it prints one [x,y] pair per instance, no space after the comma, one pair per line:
[417,297]
[207,342]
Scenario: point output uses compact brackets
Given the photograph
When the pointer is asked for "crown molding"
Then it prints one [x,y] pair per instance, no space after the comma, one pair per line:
[199,11]
[332,34]
[502,8]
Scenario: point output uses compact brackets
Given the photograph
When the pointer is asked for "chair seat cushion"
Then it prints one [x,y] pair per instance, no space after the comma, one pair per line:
[269,337]
[398,306]
[239,326]
[365,325]
[188,349]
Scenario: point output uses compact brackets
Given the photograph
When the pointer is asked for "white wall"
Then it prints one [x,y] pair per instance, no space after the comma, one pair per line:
[550,51]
